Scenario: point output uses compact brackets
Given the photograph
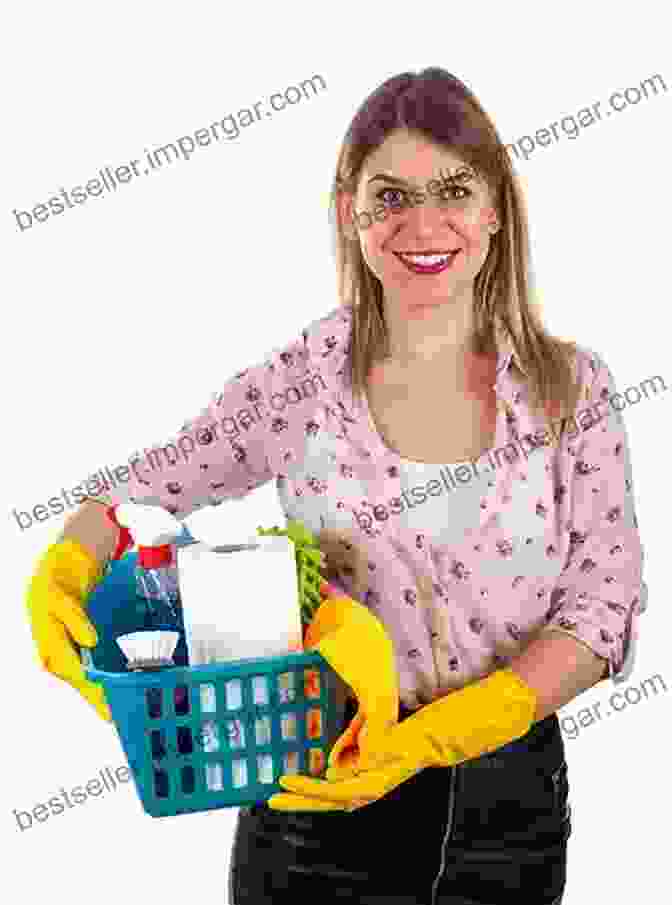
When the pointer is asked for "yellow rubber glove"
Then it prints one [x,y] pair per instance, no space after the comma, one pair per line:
[357,647]
[56,598]
[457,727]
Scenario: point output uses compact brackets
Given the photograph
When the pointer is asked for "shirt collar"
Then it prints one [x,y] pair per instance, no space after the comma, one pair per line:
[506,354]
[505,385]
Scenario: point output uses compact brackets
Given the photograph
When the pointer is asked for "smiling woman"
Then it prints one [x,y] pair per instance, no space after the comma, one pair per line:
[502,610]
[500,605]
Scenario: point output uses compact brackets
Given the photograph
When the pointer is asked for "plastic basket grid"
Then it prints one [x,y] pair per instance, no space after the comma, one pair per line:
[204,737]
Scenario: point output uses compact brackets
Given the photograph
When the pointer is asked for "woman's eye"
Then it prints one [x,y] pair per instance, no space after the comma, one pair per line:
[383,192]
[458,188]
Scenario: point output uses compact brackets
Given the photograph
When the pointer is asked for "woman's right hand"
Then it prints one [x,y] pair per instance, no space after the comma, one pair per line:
[56,600]
[344,562]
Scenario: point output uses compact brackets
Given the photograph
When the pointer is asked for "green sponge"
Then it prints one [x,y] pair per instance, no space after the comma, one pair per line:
[309,561]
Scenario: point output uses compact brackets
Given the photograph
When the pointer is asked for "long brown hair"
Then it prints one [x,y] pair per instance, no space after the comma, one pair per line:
[438,106]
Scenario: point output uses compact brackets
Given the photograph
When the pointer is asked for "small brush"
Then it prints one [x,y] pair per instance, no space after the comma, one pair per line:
[149,650]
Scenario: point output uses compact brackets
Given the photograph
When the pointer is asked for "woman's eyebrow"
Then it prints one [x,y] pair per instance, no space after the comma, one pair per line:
[459,174]
[463,174]
[394,179]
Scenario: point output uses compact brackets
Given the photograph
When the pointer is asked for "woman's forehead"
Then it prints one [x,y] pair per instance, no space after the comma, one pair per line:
[406,157]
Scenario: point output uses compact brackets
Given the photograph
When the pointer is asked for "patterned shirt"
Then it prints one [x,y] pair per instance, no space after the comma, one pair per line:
[551,543]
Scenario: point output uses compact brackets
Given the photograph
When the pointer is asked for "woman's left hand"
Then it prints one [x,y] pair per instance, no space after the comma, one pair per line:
[344,794]
[459,726]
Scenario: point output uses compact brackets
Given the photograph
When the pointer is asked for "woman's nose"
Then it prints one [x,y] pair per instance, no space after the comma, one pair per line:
[427,218]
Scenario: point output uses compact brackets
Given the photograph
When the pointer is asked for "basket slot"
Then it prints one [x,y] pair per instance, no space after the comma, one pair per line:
[208,737]
[262,729]
[260,691]
[181,700]
[288,727]
[290,762]
[311,683]
[214,776]
[158,744]
[154,700]
[185,743]
[161,784]
[239,773]
[314,723]
[235,734]
[208,698]
[265,768]
[316,761]
[234,694]
[188,777]
[287,687]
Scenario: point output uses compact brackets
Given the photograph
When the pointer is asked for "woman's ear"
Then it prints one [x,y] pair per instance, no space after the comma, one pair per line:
[491,220]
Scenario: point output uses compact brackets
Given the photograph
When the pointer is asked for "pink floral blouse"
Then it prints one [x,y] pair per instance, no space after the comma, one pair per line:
[554,543]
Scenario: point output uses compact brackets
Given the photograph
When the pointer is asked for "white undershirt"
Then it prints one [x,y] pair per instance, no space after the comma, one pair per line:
[452,507]
[443,517]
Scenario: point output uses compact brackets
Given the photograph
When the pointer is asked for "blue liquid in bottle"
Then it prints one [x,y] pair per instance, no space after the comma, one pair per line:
[156,585]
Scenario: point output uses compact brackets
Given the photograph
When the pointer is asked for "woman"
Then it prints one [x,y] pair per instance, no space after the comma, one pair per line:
[471,487]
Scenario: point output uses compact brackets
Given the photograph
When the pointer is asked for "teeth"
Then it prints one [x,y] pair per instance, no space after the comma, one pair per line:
[428,260]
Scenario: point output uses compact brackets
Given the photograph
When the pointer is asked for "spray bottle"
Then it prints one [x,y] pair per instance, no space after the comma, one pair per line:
[153,529]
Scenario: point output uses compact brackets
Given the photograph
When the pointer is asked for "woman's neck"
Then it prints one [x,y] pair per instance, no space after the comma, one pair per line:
[441,332]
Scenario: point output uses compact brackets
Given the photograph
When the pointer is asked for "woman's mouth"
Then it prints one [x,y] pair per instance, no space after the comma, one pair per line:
[427,263]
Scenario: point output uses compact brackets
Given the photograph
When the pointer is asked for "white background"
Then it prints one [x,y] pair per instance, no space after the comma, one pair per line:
[123,315]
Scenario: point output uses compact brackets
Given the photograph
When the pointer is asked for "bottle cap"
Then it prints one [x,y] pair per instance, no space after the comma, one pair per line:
[154,557]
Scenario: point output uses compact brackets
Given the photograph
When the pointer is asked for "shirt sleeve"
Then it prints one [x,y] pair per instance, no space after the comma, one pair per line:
[600,593]
[231,446]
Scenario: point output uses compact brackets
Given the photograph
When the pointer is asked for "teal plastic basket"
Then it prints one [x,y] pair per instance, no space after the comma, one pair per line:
[198,738]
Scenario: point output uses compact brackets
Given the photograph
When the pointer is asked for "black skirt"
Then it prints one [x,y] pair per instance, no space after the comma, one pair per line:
[490,831]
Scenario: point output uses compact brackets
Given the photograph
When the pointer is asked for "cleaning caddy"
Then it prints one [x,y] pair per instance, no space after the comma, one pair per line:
[216,734]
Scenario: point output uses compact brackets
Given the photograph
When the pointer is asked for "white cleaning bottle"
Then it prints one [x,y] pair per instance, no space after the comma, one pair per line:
[153,529]
[240,601]
[239,589]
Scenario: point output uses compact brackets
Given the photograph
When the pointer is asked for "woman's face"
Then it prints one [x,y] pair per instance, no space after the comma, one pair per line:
[414,196]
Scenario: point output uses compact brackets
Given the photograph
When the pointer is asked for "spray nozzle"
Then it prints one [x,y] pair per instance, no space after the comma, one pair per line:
[147,526]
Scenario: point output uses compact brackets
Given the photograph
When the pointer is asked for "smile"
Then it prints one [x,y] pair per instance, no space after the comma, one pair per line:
[428,263]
